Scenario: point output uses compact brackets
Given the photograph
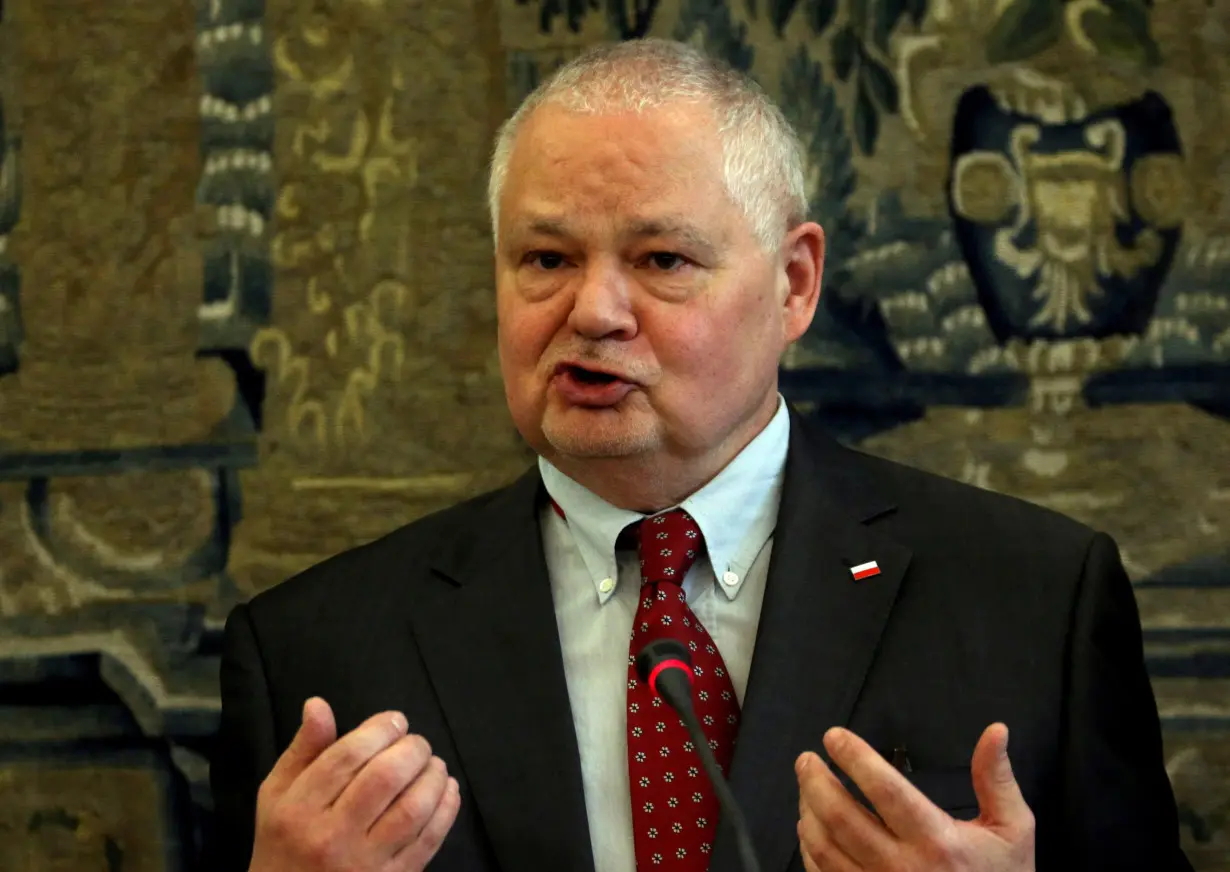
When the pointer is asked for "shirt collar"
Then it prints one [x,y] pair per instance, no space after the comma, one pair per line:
[736,511]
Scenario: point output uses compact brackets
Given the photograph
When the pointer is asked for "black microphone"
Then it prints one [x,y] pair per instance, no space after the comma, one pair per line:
[666,666]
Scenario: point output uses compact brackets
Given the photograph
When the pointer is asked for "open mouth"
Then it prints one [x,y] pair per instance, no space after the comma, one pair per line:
[589,388]
[589,376]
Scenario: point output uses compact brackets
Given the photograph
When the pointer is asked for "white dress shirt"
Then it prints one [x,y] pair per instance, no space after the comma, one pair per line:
[595,589]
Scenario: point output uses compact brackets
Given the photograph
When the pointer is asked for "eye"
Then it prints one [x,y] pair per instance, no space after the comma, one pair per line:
[546,260]
[667,261]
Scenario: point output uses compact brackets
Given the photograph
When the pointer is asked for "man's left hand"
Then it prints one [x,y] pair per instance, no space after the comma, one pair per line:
[838,834]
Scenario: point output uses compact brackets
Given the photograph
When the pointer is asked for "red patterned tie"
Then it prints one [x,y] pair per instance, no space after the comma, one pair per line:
[674,808]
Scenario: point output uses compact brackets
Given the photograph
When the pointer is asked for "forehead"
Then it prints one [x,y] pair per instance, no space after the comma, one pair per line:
[626,166]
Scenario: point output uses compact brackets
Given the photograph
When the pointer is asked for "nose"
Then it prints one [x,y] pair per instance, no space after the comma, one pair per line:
[602,308]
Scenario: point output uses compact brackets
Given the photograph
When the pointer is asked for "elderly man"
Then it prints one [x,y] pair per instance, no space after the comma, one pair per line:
[462,692]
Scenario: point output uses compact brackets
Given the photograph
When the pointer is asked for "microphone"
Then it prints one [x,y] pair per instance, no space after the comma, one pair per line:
[666,666]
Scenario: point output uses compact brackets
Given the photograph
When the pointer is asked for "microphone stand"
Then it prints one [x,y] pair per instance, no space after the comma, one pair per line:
[673,682]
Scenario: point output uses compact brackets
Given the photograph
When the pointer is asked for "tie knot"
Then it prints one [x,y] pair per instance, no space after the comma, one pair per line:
[669,544]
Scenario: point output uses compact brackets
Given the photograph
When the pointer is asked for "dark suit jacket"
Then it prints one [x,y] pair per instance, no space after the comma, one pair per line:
[987,609]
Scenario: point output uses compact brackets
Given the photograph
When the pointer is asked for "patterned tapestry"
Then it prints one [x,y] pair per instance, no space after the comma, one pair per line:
[246,321]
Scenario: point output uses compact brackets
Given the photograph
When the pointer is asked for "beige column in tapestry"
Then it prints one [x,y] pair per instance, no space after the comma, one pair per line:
[383,400]
[107,237]
[342,251]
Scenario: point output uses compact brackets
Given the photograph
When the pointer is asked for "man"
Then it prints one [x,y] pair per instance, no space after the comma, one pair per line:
[864,635]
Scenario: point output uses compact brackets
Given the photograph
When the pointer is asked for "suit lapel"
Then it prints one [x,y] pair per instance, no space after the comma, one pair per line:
[491,647]
[819,629]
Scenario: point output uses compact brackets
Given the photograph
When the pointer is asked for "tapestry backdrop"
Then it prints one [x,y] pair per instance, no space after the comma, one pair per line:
[246,321]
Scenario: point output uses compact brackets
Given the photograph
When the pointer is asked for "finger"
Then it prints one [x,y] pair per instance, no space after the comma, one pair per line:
[416,855]
[906,812]
[381,780]
[999,796]
[854,829]
[317,732]
[324,780]
[410,808]
[820,852]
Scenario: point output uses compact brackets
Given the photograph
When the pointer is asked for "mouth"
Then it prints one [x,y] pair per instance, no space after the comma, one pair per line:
[587,375]
[590,387]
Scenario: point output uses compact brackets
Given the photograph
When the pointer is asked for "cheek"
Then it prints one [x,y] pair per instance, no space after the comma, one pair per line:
[728,344]
[520,349]
[700,355]
[525,330]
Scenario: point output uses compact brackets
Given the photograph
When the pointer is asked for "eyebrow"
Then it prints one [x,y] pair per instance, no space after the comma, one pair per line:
[547,227]
[679,229]
[688,233]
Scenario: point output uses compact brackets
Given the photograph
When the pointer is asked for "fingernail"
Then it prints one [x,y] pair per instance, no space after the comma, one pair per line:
[834,740]
[399,722]
[453,785]
[801,763]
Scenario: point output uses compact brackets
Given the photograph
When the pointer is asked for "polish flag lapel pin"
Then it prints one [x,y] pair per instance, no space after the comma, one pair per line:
[865,570]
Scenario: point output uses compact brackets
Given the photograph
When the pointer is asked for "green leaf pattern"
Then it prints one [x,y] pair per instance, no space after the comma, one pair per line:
[886,14]
[780,12]
[721,34]
[1025,28]
[1122,32]
[572,11]
[866,119]
[879,81]
[1118,29]
[843,47]
[820,14]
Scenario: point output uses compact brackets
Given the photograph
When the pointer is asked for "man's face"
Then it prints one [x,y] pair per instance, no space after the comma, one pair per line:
[638,315]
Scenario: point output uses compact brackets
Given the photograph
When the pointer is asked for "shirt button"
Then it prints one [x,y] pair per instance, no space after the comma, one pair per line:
[605,585]
[730,579]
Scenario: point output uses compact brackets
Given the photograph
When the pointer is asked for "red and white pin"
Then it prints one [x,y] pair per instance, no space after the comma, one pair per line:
[865,570]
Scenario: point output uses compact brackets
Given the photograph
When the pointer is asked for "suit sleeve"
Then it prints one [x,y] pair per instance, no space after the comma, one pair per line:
[245,747]
[1117,809]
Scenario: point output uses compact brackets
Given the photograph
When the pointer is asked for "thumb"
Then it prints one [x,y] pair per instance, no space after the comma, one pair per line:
[317,731]
[999,797]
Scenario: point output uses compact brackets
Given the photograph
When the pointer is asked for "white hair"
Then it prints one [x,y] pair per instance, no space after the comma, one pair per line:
[762,156]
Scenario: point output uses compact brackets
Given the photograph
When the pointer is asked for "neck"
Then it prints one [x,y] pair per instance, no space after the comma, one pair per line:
[651,482]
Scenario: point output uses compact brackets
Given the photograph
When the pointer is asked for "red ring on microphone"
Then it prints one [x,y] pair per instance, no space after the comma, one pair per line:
[668,664]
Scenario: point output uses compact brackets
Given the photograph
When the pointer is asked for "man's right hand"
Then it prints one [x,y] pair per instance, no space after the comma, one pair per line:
[375,800]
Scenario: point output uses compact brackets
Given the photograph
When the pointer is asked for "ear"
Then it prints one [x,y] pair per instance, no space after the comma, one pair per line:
[802,259]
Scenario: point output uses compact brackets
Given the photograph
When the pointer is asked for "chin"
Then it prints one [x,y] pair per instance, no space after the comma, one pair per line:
[595,438]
